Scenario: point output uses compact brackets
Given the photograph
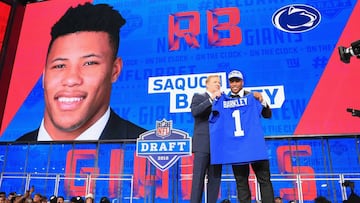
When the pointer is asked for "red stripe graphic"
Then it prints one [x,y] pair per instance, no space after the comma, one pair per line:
[336,91]
[31,52]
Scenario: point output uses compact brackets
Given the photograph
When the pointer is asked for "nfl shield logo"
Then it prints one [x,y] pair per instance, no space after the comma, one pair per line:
[163,128]
[164,145]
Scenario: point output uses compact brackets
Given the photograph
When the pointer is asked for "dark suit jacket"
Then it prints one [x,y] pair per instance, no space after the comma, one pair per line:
[353,198]
[201,109]
[116,128]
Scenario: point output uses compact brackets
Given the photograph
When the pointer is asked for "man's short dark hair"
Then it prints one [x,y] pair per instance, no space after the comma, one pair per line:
[321,199]
[90,17]
[104,200]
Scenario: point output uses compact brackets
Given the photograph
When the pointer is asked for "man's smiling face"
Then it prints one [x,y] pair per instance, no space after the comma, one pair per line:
[77,82]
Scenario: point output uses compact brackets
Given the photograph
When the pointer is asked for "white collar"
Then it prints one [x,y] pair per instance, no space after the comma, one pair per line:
[241,93]
[92,133]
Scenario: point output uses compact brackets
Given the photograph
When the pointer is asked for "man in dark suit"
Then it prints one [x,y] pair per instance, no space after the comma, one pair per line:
[262,167]
[81,65]
[201,105]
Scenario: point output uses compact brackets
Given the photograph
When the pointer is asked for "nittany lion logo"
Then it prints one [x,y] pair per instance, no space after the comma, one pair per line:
[164,145]
[296,18]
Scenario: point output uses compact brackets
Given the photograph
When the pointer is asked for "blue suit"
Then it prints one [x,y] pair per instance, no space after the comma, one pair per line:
[201,109]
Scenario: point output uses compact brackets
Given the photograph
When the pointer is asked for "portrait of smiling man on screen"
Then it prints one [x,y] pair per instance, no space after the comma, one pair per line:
[81,66]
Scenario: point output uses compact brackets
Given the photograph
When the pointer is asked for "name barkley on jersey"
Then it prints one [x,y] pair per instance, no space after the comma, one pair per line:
[235,103]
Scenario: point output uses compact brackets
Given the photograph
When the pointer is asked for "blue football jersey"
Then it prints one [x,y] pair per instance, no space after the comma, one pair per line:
[236,134]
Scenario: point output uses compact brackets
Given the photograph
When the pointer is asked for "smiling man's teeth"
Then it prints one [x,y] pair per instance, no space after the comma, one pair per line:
[69,99]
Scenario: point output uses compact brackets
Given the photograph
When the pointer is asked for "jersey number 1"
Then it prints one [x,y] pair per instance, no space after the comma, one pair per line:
[238,131]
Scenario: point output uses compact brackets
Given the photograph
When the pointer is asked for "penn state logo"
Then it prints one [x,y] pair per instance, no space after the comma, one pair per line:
[296,18]
[164,145]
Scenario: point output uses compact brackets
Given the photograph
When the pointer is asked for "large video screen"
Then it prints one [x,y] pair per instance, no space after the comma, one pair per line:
[286,51]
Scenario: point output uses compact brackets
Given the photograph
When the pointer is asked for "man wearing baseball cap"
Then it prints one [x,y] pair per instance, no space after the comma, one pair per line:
[262,167]
[236,81]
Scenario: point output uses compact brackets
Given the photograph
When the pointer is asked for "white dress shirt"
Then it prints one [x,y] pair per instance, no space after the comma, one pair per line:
[92,133]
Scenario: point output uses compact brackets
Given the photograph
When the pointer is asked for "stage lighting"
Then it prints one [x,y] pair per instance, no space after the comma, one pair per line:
[347,53]
[354,112]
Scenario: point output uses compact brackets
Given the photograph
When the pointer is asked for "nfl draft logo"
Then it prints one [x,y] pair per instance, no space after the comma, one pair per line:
[164,145]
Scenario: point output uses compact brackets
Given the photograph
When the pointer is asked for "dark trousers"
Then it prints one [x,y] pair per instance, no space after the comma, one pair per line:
[262,172]
[201,167]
